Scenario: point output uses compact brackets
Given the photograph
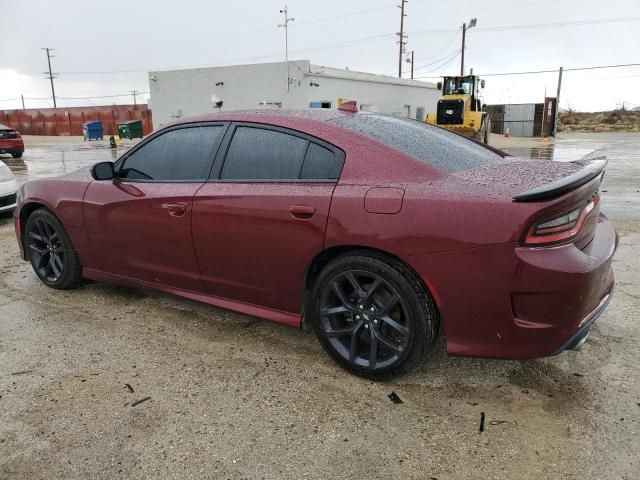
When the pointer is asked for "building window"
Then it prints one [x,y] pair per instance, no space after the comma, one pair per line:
[320,105]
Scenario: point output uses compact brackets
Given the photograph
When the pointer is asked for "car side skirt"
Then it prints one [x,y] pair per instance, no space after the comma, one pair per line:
[278,316]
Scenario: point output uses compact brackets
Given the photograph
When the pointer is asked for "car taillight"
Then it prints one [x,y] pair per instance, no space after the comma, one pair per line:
[559,228]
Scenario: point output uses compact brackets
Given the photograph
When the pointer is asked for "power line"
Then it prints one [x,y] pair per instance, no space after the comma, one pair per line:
[448,62]
[535,25]
[138,92]
[359,41]
[496,7]
[555,70]
[440,60]
[387,72]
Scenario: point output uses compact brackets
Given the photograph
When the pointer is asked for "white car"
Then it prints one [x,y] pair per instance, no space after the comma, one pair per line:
[8,188]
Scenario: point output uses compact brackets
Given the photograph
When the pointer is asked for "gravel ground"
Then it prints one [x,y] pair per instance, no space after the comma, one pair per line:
[108,382]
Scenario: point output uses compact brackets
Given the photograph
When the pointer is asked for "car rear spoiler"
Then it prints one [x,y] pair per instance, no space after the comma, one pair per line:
[591,169]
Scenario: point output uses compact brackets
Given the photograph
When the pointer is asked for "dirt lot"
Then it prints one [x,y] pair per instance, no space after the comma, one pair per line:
[234,397]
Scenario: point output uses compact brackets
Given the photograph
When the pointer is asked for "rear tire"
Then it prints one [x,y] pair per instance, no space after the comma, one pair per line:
[17,154]
[373,316]
[50,251]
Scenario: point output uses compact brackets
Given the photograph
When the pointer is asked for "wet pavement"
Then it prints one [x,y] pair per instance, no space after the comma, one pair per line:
[622,150]
[233,397]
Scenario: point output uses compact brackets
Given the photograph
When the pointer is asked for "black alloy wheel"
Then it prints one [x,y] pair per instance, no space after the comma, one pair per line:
[50,250]
[373,316]
[365,319]
[45,250]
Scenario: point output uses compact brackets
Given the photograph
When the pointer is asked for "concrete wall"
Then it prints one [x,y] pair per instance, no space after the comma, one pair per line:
[183,93]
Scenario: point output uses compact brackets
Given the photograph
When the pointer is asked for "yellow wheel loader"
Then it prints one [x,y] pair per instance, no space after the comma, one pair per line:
[460,108]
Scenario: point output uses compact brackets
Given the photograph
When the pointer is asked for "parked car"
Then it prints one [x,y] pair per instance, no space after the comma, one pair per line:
[8,187]
[375,231]
[11,141]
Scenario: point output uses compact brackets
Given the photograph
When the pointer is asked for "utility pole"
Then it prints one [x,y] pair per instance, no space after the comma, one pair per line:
[50,75]
[402,36]
[285,25]
[555,121]
[134,93]
[472,23]
[22,97]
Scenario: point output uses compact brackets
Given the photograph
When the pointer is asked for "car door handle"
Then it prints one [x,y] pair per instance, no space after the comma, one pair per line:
[302,211]
[175,209]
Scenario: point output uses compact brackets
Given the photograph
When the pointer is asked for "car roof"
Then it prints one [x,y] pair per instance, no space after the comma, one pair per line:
[269,115]
[4,127]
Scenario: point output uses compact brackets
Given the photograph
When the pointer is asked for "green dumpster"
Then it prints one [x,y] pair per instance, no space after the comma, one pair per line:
[130,129]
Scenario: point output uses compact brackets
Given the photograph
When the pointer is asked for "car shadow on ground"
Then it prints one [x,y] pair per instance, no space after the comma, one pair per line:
[461,376]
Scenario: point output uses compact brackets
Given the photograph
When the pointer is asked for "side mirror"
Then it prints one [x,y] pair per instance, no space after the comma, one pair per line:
[482,83]
[439,85]
[103,171]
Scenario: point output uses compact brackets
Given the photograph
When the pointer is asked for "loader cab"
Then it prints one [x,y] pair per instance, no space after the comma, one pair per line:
[463,85]
[460,108]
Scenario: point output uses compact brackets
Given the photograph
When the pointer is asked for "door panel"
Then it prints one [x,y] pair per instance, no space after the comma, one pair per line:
[254,240]
[143,230]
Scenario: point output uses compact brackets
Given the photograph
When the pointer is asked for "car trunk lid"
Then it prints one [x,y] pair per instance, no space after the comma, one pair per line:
[562,197]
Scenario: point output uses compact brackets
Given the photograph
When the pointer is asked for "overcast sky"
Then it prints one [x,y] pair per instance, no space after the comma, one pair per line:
[107,49]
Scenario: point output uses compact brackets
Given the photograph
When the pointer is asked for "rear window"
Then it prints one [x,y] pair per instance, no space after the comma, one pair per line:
[435,146]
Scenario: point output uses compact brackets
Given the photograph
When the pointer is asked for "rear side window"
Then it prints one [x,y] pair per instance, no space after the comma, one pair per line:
[183,154]
[321,163]
[260,154]
[268,155]
[435,146]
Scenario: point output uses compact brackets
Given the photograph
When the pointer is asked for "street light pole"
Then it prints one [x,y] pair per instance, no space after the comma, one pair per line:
[472,23]
[285,12]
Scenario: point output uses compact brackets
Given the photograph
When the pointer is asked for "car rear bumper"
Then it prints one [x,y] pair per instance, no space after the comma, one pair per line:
[12,145]
[507,301]
[578,338]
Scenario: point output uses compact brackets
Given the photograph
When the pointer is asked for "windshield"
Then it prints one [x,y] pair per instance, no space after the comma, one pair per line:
[434,146]
[458,85]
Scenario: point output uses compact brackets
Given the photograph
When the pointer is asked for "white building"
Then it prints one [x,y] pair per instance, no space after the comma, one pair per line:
[183,93]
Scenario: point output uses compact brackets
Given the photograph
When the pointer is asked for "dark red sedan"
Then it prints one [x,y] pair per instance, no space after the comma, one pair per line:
[373,230]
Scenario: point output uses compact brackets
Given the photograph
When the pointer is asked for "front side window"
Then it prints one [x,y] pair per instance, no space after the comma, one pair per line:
[183,154]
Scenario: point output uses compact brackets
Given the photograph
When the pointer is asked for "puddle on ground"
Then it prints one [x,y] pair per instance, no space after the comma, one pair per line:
[551,152]
[53,159]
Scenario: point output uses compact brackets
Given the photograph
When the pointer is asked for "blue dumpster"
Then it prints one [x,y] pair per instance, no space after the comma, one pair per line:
[92,130]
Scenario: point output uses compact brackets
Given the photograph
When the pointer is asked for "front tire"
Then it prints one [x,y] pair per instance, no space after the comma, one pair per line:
[50,251]
[373,316]
[17,154]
